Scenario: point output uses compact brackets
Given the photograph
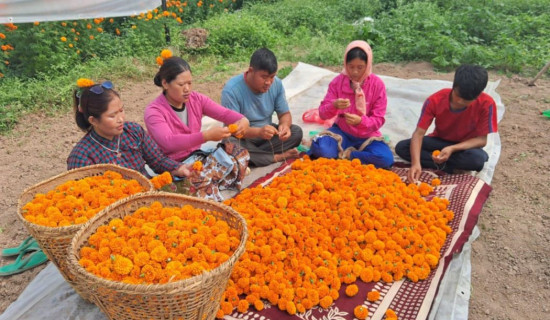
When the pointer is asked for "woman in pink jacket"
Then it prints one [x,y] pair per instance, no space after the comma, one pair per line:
[356,99]
[174,121]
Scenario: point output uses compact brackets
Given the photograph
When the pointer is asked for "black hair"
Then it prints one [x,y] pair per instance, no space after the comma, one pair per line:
[356,53]
[470,81]
[264,59]
[170,69]
[87,103]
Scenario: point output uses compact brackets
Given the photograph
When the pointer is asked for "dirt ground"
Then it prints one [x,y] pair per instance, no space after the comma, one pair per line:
[510,260]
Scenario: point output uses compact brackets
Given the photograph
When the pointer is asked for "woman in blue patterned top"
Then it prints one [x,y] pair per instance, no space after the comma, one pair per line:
[109,139]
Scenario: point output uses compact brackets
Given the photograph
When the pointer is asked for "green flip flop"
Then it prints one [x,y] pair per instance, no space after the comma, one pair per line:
[26,260]
[30,242]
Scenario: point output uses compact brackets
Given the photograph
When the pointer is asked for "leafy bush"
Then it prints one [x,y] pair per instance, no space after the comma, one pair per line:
[238,34]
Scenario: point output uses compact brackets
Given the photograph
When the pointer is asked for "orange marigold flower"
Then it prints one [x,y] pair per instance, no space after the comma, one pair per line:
[390,314]
[435,182]
[352,290]
[361,312]
[373,295]
[166,53]
[326,302]
[197,166]
[436,153]
[63,39]
[233,127]
[243,305]
[122,265]
[2,36]
[159,61]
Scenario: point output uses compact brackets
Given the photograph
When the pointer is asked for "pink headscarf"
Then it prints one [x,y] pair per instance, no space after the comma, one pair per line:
[360,102]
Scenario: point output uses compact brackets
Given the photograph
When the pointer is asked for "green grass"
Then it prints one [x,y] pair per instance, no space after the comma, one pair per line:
[508,36]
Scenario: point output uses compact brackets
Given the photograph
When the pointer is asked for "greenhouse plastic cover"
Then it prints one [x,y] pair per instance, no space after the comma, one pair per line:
[50,297]
[21,11]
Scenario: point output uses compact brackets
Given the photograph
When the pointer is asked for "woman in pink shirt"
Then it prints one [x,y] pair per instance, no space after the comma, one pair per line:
[356,99]
[174,121]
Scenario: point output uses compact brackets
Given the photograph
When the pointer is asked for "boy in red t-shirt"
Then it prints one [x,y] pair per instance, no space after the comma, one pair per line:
[464,115]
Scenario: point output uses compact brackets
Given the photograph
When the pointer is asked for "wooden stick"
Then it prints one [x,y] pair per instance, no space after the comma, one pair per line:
[541,72]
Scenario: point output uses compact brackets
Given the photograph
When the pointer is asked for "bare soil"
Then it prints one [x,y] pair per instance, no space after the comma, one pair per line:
[510,260]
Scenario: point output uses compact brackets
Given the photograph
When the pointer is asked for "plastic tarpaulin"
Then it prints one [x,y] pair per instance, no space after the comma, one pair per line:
[21,11]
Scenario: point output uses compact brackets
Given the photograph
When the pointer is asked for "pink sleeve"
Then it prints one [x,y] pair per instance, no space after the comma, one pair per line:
[326,108]
[219,112]
[169,140]
[377,102]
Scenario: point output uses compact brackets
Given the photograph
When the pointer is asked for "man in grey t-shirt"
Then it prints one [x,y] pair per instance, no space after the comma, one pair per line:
[257,94]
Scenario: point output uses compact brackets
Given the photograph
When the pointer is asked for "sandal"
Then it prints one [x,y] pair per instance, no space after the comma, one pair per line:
[26,260]
[30,242]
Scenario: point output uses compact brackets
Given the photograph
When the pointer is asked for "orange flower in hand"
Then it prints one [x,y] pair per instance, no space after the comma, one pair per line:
[436,153]
[233,127]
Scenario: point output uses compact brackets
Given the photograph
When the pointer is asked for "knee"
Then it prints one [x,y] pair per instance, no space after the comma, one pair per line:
[296,131]
[402,149]
[324,147]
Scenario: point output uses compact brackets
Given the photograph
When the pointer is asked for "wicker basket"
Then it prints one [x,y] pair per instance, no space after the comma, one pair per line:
[55,242]
[197,297]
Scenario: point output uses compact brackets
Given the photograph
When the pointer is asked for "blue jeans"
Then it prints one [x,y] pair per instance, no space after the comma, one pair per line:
[377,153]
[470,160]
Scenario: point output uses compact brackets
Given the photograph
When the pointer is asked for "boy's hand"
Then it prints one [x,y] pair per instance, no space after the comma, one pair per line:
[414,173]
[341,103]
[443,156]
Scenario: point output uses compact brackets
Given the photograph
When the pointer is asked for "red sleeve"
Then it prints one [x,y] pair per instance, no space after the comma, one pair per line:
[487,122]
[426,115]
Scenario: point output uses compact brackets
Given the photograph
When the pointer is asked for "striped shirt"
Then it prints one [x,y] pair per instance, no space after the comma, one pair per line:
[136,150]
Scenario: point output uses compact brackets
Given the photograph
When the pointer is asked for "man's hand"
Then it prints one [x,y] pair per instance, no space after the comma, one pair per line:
[444,155]
[341,103]
[243,125]
[267,132]
[284,132]
[414,173]
[352,119]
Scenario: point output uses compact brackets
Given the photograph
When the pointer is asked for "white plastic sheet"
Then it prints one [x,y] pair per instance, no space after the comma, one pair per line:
[49,297]
[21,11]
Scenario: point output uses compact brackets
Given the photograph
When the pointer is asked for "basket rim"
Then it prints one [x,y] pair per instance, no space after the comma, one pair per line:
[155,288]
[72,228]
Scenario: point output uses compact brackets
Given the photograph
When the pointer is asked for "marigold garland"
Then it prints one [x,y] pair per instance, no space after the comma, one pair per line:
[158,244]
[75,202]
[329,222]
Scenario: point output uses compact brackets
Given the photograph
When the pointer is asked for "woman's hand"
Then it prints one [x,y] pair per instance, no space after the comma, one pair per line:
[352,119]
[341,103]
[216,134]
[182,171]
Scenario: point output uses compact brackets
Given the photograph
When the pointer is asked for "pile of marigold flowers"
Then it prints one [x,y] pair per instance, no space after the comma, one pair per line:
[329,223]
[158,244]
[75,202]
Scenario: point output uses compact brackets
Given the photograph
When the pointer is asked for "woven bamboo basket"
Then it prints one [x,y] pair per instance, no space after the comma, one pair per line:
[197,297]
[55,242]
